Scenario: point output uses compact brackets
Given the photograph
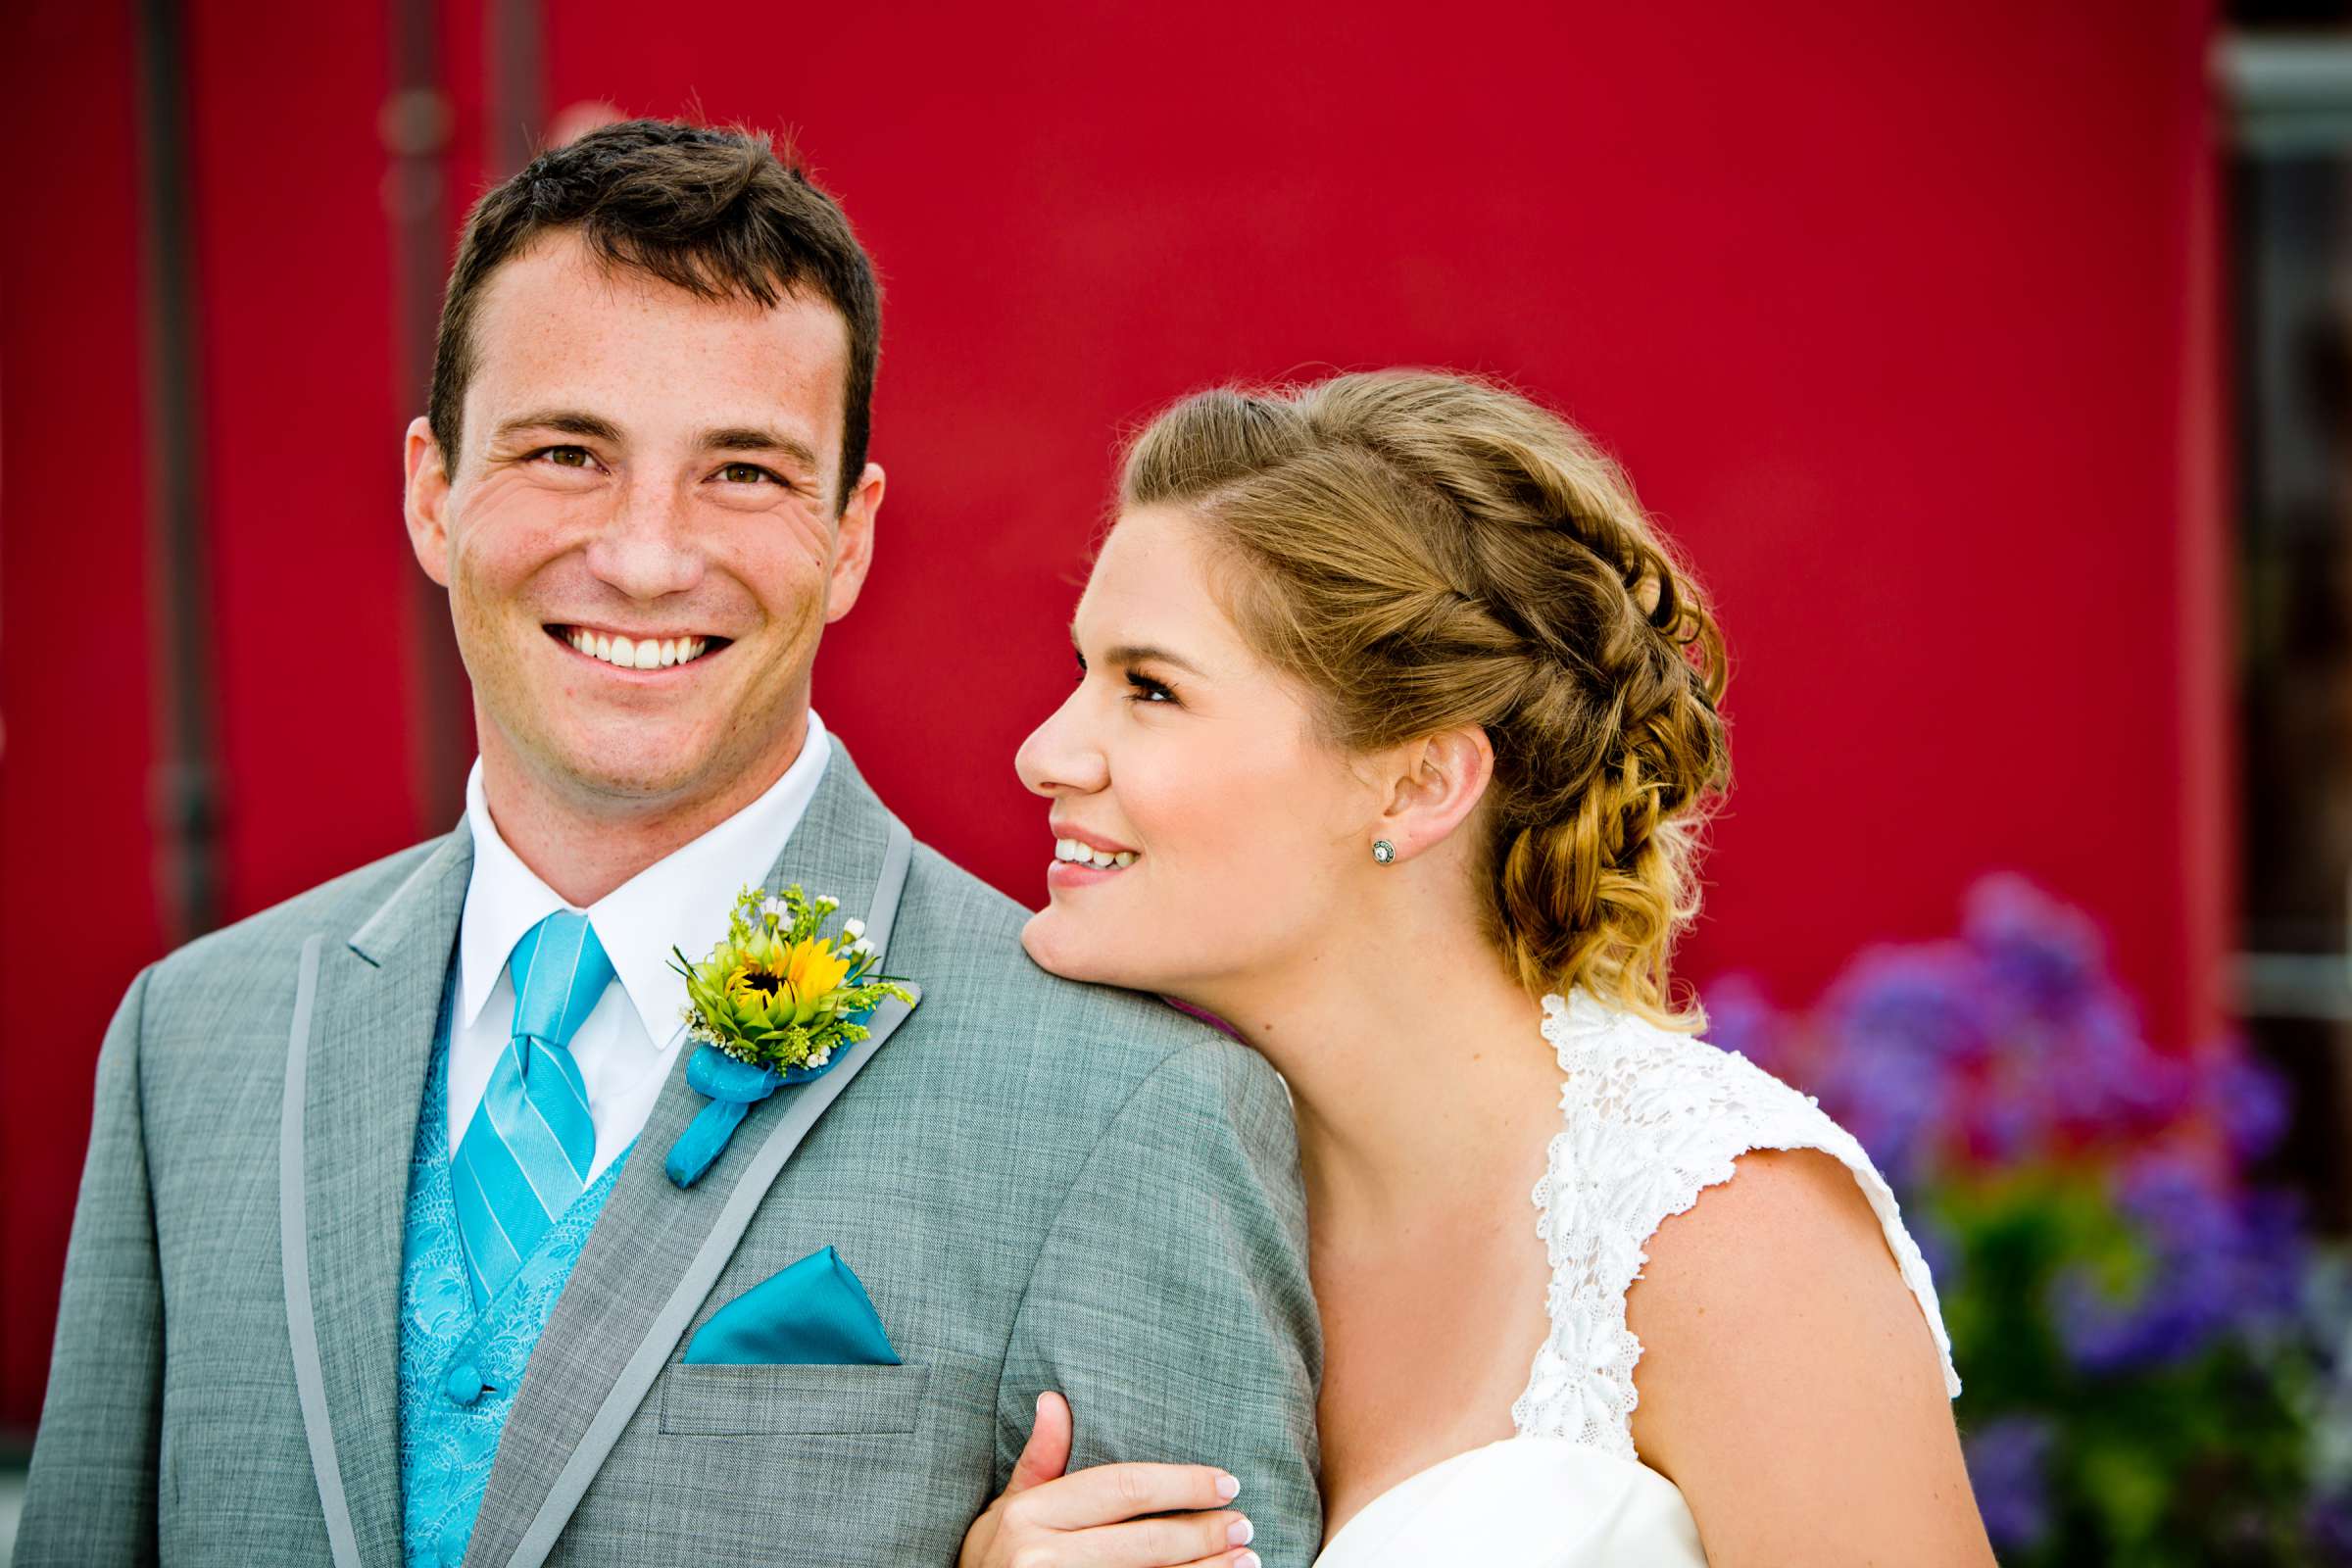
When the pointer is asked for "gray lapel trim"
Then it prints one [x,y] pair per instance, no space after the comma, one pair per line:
[362,1032]
[294,1244]
[656,1252]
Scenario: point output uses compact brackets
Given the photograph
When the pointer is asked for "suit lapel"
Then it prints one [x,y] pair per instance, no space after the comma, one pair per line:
[655,1249]
[375,1000]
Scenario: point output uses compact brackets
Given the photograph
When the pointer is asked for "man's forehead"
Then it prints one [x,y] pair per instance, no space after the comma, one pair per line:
[557,311]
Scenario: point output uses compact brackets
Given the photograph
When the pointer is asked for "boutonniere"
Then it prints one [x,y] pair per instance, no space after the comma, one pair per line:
[774,1003]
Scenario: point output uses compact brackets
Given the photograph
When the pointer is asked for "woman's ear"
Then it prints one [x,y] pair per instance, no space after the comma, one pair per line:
[1434,782]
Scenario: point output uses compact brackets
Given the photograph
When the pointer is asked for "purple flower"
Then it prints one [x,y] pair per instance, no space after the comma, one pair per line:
[2327,1525]
[2218,1262]
[2007,1461]
[2103,1334]
[2043,958]
[1939,1248]
[2179,1207]
[1923,1004]
[2250,1100]
[2104,1076]
[1739,1019]
[2274,1257]
[1889,1105]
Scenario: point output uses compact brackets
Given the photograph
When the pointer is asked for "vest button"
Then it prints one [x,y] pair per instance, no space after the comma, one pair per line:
[466,1383]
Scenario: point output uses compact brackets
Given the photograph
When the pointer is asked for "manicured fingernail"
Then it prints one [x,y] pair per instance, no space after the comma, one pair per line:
[1228,1489]
[1248,1559]
[1040,1407]
[1238,1533]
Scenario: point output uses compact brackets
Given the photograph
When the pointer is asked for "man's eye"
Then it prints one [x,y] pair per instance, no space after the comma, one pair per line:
[566,456]
[746,473]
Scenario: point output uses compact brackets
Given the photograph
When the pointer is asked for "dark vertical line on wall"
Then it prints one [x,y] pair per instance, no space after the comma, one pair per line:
[185,782]
[516,85]
[415,127]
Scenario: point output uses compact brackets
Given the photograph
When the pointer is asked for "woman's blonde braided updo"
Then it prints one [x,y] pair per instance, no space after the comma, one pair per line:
[1425,550]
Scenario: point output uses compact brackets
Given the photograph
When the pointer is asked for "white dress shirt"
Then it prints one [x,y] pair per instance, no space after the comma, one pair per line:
[625,1044]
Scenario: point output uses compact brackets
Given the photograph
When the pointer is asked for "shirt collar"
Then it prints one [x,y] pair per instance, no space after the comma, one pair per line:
[681,899]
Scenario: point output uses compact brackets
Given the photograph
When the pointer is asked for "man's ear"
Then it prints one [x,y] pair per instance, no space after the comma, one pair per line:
[427,502]
[1433,784]
[853,544]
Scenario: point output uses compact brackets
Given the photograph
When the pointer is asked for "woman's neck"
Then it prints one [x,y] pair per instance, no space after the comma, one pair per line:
[1417,1070]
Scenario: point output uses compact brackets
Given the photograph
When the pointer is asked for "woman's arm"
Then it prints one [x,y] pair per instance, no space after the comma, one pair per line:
[1788,1384]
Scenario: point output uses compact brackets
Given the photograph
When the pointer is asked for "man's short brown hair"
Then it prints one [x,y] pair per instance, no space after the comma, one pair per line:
[713,211]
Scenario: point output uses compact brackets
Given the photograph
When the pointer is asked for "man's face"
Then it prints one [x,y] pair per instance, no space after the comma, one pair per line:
[641,468]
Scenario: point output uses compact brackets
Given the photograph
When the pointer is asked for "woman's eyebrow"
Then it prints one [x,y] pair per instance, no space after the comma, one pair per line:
[1130,654]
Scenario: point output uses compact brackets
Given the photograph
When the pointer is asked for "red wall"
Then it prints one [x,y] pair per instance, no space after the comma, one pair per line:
[1903,328]
[77,913]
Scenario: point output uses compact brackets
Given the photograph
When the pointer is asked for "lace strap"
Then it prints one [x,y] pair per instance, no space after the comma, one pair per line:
[1652,1119]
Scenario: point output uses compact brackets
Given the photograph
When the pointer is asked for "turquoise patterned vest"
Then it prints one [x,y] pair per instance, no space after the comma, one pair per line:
[461,1362]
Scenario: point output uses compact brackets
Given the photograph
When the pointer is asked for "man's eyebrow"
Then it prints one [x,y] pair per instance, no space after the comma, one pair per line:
[596,428]
[1129,655]
[569,421]
[752,439]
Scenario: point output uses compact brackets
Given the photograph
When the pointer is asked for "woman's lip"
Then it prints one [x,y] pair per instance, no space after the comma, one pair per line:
[1063,831]
[1078,873]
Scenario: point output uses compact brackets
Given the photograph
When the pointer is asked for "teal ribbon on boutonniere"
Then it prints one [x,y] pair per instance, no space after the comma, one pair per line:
[774,1005]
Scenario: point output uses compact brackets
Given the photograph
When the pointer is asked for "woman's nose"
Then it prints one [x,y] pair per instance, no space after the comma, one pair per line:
[1060,758]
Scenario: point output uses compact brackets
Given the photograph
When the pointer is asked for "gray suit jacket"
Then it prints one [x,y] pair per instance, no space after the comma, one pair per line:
[1043,1186]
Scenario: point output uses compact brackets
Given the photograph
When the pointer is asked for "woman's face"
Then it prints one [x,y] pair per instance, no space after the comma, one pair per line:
[1195,768]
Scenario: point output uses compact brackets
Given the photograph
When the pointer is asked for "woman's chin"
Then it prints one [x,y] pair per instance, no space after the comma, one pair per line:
[1055,947]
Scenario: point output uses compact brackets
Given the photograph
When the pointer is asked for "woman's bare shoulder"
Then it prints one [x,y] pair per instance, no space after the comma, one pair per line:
[1788,1382]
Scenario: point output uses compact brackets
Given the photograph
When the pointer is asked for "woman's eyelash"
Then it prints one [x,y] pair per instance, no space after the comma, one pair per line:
[1146,689]
[1150,690]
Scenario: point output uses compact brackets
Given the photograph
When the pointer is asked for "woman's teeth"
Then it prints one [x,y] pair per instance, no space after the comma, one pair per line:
[651,654]
[1081,854]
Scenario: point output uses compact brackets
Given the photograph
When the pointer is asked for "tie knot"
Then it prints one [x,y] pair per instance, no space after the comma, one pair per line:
[560,969]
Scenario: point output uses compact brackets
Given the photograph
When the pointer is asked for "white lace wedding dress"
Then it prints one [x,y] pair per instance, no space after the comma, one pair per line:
[1652,1117]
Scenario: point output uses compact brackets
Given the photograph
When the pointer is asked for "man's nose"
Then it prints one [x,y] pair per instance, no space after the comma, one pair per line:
[1061,757]
[647,548]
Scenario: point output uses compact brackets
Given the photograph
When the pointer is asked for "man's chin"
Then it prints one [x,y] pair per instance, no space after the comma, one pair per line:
[638,777]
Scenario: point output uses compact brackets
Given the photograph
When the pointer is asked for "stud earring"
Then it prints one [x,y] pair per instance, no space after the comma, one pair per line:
[1382,851]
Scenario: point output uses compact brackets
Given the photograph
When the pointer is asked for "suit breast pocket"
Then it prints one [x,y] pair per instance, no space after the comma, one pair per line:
[735,1401]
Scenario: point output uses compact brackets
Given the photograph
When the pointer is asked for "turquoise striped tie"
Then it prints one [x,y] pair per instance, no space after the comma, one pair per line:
[527,1153]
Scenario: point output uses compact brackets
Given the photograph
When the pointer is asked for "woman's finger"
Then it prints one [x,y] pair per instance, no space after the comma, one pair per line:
[1156,1542]
[1046,1454]
[1241,1558]
[1107,1494]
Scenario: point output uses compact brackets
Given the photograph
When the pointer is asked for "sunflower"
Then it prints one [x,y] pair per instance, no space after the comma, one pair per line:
[776,994]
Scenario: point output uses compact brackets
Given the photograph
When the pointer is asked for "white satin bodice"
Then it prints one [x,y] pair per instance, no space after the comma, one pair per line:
[1649,1120]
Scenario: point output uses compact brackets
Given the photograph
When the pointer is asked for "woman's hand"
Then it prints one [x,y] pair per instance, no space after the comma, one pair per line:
[1094,1519]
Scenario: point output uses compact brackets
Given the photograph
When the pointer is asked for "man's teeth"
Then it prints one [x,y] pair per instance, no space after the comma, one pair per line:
[647,654]
[1073,851]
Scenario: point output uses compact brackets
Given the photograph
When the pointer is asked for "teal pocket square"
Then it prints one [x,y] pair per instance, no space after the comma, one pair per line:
[813,1313]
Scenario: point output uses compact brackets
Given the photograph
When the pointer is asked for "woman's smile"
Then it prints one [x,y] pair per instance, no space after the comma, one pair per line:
[1082,859]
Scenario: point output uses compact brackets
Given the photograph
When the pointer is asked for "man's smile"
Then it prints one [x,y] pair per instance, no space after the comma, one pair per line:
[646,651]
